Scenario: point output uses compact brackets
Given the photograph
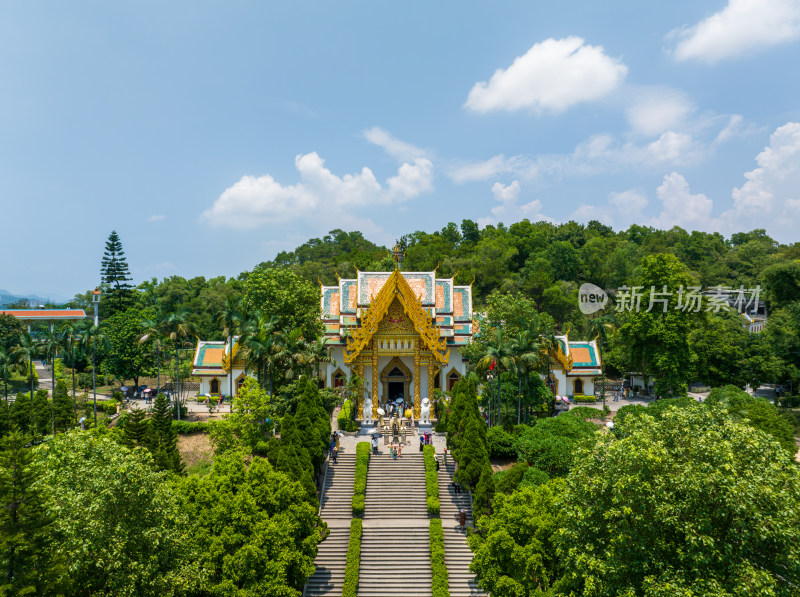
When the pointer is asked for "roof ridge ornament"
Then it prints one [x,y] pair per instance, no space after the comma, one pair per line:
[399,255]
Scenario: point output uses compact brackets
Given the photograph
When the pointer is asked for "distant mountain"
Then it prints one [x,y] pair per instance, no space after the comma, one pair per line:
[8,298]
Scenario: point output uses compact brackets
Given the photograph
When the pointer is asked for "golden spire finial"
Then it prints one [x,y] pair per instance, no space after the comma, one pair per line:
[398,255]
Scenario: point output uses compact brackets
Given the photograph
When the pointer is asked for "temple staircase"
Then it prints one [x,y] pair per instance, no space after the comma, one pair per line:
[457,554]
[336,510]
[396,488]
[337,492]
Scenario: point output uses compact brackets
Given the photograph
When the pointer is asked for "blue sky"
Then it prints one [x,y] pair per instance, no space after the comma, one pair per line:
[213,135]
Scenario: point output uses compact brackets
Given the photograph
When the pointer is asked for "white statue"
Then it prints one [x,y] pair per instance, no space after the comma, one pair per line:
[425,413]
[367,411]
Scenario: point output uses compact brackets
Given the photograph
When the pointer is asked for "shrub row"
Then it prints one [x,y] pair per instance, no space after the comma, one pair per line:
[189,428]
[582,398]
[343,418]
[440,585]
[431,480]
[350,586]
[360,483]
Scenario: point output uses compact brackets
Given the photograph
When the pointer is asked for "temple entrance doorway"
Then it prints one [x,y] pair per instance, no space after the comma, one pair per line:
[396,378]
[396,389]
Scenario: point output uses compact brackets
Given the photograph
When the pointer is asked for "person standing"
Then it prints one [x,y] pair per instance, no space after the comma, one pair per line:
[400,450]
[462,519]
[334,454]
[421,442]
[374,445]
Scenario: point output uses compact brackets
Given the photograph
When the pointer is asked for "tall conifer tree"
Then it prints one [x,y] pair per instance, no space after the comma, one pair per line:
[115,273]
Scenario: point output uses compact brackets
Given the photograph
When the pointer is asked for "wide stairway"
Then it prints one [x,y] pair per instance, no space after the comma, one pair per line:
[330,562]
[395,562]
[336,510]
[396,488]
[338,491]
[457,554]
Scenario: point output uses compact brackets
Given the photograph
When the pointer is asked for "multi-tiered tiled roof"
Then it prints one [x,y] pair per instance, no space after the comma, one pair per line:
[449,306]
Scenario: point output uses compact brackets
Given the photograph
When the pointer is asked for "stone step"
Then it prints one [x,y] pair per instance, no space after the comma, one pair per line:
[330,565]
[458,557]
[394,561]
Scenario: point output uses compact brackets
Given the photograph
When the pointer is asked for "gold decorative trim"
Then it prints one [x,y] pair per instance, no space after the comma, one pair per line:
[396,287]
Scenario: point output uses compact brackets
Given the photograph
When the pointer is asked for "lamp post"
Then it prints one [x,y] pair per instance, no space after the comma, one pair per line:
[96,302]
[489,378]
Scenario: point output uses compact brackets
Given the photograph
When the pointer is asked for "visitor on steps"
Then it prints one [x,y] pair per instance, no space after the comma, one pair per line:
[437,465]
[462,519]
[400,449]
[421,442]
[394,453]
[334,454]
[375,446]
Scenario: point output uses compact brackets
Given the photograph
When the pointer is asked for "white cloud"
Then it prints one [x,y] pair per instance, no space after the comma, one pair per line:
[509,210]
[490,168]
[656,110]
[320,195]
[553,75]
[156,218]
[394,147]
[506,193]
[774,185]
[630,203]
[739,28]
[586,212]
[682,208]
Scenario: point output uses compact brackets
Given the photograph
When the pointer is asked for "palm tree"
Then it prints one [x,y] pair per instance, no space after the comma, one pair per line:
[261,346]
[230,318]
[153,330]
[51,345]
[24,353]
[7,362]
[177,326]
[92,338]
[496,355]
[317,353]
[600,328]
[292,351]
[69,340]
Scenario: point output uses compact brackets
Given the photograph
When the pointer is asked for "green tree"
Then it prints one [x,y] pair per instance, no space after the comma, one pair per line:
[24,353]
[115,274]
[247,424]
[689,504]
[230,318]
[29,564]
[117,521]
[136,429]
[281,293]
[127,357]
[7,362]
[472,454]
[551,444]
[515,550]
[255,532]
[163,438]
[11,329]
[63,409]
[656,341]
[484,494]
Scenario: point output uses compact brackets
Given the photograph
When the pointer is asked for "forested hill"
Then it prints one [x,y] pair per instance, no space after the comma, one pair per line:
[546,261]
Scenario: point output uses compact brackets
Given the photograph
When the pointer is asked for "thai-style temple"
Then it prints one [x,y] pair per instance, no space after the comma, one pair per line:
[578,363]
[401,332]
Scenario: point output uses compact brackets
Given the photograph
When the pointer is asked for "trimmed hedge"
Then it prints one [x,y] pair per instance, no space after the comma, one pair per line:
[431,480]
[583,398]
[360,483]
[343,418]
[189,428]
[440,583]
[350,586]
